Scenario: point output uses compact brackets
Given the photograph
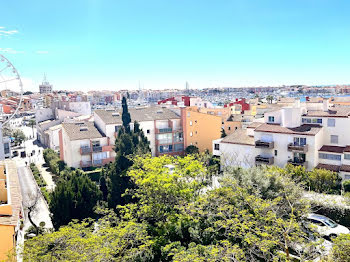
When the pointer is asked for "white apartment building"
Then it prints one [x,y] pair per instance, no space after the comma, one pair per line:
[314,138]
[82,145]
[161,126]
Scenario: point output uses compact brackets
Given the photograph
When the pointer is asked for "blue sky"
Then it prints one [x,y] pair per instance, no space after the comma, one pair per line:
[115,44]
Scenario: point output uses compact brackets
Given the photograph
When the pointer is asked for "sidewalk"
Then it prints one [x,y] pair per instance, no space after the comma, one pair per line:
[50,185]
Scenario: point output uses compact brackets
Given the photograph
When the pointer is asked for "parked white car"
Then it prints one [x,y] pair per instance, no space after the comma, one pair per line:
[326,226]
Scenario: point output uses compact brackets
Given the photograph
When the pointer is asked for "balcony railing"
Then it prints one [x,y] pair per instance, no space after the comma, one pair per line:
[296,147]
[164,130]
[97,162]
[263,144]
[297,162]
[97,148]
[85,150]
[85,163]
[107,148]
[260,160]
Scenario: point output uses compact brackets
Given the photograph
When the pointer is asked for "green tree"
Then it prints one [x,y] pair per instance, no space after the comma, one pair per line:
[74,198]
[127,241]
[27,93]
[323,181]
[341,248]
[126,116]
[19,136]
[32,123]
[103,187]
[191,149]
[223,133]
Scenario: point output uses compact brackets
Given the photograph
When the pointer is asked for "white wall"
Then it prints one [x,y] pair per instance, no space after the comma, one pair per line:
[43,114]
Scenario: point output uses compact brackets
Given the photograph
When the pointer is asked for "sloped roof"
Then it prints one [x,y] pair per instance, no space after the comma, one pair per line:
[343,111]
[332,149]
[305,129]
[81,130]
[239,137]
[137,114]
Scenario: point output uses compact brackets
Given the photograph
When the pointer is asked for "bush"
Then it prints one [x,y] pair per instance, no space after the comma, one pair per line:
[338,214]
[346,185]
[94,175]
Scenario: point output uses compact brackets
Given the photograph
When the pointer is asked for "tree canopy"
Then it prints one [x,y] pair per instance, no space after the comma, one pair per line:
[255,215]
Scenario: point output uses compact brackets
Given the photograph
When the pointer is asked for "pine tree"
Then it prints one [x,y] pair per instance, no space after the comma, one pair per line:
[126,116]
[103,187]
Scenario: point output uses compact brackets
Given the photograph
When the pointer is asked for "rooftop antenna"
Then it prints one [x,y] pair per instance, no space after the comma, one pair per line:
[44,80]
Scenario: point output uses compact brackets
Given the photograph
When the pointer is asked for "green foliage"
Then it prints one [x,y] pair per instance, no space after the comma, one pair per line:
[94,175]
[341,248]
[223,133]
[318,180]
[74,198]
[253,216]
[323,181]
[127,144]
[191,149]
[54,162]
[126,118]
[18,136]
[128,241]
[40,181]
[346,185]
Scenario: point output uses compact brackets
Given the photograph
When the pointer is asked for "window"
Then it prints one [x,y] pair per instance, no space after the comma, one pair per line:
[216,146]
[347,156]
[271,119]
[334,139]
[317,120]
[346,177]
[148,131]
[299,141]
[190,123]
[188,114]
[236,128]
[165,138]
[331,122]
[306,120]
[275,152]
[196,132]
[191,134]
[229,128]
[329,156]
[116,128]
[195,121]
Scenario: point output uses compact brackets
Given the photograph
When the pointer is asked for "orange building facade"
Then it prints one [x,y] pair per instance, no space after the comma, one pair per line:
[10,207]
[200,129]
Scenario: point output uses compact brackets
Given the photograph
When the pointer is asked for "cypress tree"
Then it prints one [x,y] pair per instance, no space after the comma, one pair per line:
[126,116]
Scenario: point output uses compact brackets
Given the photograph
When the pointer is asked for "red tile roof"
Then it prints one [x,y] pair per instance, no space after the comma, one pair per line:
[332,149]
[333,168]
[345,168]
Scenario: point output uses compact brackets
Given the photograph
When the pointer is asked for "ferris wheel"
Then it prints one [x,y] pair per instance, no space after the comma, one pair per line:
[11,82]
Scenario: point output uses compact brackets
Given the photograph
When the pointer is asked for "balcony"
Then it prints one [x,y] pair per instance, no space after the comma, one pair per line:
[263,144]
[107,160]
[107,148]
[85,163]
[96,148]
[297,162]
[297,147]
[260,160]
[85,150]
[97,162]
[164,130]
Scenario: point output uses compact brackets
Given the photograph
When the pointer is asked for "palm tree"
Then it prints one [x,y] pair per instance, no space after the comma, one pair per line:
[269,99]
[32,123]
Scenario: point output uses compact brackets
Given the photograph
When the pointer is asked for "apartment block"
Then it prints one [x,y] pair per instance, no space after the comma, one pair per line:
[161,126]
[313,138]
[200,129]
[82,145]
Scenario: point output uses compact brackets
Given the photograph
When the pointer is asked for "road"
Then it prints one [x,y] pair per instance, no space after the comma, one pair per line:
[28,184]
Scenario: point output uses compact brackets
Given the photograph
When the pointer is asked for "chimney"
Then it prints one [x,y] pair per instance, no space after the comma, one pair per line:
[325,105]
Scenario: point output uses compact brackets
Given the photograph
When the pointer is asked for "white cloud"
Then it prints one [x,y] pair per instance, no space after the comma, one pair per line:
[41,52]
[10,51]
[4,32]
